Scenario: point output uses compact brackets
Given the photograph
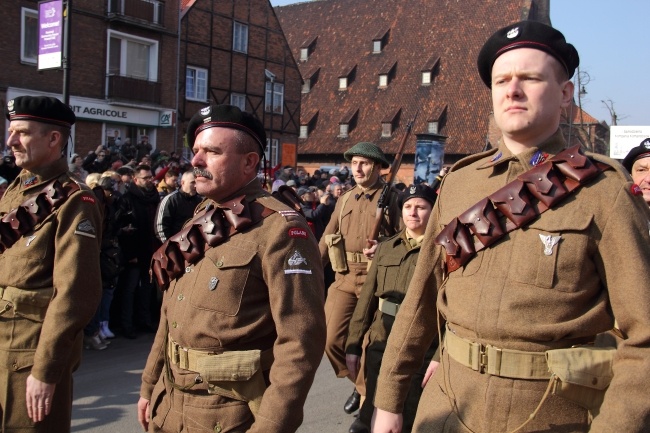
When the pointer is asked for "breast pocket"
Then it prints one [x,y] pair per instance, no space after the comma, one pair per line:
[557,244]
[221,279]
[388,272]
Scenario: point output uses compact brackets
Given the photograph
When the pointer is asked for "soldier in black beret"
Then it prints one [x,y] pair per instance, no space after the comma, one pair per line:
[637,162]
[49,263]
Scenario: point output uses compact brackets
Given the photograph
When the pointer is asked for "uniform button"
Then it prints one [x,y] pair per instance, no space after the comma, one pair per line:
[181,297]
[235,376]
[174,324]
[219,264]
[15,365]
[217,428]
[188,270]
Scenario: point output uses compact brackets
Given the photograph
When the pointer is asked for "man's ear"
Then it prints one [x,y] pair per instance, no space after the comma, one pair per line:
[251,160]
[55,138]
[567,93]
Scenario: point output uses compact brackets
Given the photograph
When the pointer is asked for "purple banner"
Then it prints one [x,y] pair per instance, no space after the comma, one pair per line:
[50,29]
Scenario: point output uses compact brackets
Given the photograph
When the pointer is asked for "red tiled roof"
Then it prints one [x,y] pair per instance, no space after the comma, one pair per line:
[185,5]
[444,36]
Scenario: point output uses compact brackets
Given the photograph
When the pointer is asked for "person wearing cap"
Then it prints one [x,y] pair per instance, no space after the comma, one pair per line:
[637,163]
[513,294]
[381,295]
[348,229]
[248,311]
[8,168]
[50,283]
[315,210]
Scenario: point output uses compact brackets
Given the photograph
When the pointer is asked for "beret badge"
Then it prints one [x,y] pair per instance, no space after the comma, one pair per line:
[513,33]
[10,105]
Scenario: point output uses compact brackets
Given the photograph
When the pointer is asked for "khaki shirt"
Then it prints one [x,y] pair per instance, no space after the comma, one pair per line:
[513,295]
[62,252]
[262,288]
[388,278]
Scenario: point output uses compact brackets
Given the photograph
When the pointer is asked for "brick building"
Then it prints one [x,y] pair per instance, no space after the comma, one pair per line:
[133,74]
[369,66]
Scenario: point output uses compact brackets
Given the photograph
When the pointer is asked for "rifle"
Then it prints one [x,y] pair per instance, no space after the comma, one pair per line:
[383,201]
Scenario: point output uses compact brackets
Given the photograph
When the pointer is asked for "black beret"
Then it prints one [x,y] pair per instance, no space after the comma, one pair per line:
[226,116]
[40,109]
[420,191]
[638,152]
[367,150]
[526,34]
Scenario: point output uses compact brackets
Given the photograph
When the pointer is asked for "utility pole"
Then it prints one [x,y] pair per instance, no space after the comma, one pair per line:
[66,51]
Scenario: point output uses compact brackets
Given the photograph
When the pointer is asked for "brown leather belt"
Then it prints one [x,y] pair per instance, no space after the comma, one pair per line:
[488,359]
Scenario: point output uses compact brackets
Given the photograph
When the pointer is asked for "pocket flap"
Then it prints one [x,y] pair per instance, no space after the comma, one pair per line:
[586,366]
[234,258]
[16,359]
[333,239]
[558,223]
[229,366]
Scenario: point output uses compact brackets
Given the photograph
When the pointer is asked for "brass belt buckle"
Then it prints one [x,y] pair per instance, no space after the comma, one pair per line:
[482,358]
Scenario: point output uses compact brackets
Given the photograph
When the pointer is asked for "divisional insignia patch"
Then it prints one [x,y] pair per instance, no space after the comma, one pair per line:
[86,228]
[213,283]
[297,264]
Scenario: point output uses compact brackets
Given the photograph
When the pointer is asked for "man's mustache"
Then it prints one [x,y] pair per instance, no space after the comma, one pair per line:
[202,172]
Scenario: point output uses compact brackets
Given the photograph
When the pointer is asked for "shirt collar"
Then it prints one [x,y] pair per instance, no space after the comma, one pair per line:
[551,146]
[42,175]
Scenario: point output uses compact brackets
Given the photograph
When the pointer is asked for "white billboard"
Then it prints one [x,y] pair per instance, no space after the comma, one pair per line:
[624,138]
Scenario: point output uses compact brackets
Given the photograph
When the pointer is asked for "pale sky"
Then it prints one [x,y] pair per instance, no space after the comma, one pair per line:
[614,47]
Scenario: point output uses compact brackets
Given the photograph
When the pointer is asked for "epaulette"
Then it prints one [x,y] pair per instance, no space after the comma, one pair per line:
[276,205]
[618,168]
[470,159]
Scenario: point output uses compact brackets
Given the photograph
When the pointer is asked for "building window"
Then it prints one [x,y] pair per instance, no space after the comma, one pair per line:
[130,56]
[274,97]
[383,80]
[426,77]
[306,86]
[376,46]
[240,37]
[273,156]
[432,127]
[238,100]
[304,54]
[29,36]
[343,130]
[304,131]
[386,129]
[196,83]
[343,83]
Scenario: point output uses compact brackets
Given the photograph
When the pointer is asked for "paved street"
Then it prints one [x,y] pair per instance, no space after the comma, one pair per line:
[108,382]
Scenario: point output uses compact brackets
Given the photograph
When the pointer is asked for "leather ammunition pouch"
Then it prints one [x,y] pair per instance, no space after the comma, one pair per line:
[33,211]
[516,205]
[29,304]
[336,252]
[238,375]
[207,229]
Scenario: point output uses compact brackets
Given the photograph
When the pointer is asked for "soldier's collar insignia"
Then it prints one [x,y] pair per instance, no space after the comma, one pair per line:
[538,158]
[30,181]
[497,157]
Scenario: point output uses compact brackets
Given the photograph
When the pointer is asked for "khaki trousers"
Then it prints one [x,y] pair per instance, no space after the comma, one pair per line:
[342,297]
[491,404]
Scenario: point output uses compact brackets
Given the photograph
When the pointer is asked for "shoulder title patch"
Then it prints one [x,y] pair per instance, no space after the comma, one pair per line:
[88,199]
[298,233]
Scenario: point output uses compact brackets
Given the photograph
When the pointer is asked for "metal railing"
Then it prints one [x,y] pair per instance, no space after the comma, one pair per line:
[151,11]
[133,89]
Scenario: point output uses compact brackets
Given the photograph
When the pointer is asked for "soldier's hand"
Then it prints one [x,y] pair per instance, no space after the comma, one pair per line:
[370,252]
[386,422]
[353,363]
[433,366]
[38,396]
[144,416]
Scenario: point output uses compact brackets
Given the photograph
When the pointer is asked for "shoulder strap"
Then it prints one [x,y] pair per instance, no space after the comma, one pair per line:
[345,198]
[516,205]
[33,211]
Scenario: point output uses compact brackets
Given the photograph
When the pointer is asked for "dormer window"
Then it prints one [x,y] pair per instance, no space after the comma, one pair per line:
[347,77]
[432,126]
[308,125]
[310,80]
[307,48]
[435,122]
[429,70]
[348,123]
[379,41]
[389,123]
[386,74]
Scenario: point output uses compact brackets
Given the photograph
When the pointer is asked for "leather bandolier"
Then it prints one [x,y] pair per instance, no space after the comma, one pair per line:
[209,228]
[33,211]
[516,205]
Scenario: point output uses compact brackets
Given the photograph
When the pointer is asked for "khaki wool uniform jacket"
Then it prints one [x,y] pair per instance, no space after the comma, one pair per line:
[57,267]
[514,296]
[260,289]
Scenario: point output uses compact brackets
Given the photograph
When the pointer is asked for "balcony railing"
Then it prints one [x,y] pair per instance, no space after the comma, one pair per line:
[151,11]
[133,89]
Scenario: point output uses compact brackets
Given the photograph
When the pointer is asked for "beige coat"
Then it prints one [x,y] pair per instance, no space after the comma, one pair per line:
[260,289]
[61,253]
[514,296]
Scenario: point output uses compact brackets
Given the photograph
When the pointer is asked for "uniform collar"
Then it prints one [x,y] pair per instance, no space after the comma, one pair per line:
[359,192]
[28,179]
[251,190]
[550,147]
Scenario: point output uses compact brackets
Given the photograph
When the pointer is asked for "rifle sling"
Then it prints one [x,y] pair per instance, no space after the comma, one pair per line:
[516,205]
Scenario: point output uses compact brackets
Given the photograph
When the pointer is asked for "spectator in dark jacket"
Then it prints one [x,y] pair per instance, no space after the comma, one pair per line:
[97,161]
[315,211]
[177,208]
